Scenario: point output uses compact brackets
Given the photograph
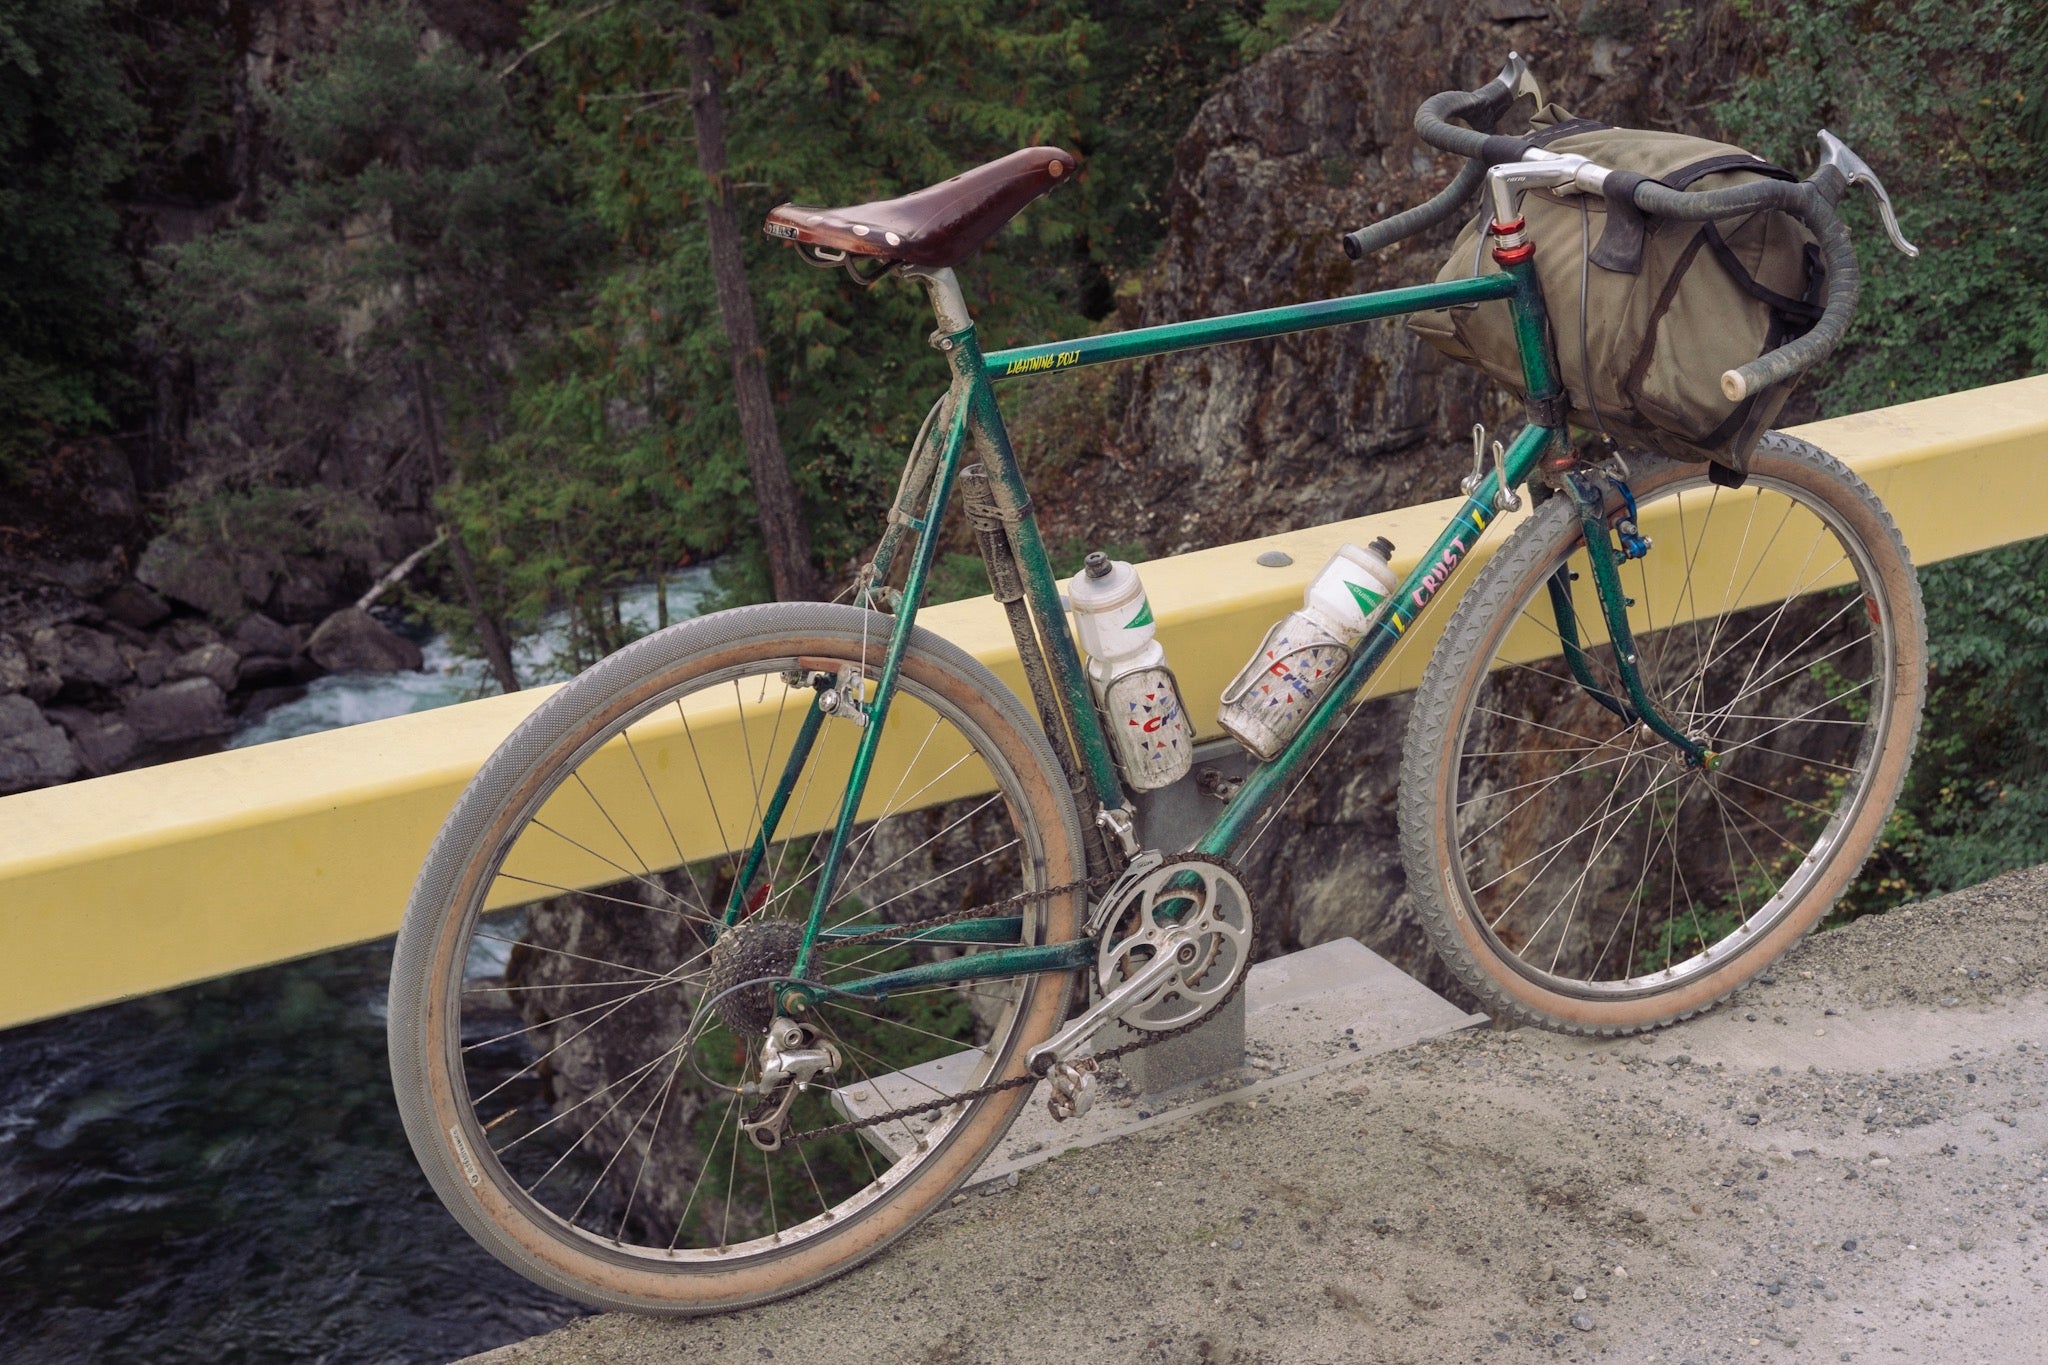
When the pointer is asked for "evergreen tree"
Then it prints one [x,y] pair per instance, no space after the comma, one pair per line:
[362,323]
[633,417]
[67,133]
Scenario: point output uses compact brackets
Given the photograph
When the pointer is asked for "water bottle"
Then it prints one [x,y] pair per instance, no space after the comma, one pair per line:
[1134,689]
[1305,652]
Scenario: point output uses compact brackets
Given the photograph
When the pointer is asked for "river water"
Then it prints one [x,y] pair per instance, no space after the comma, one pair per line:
[218,1173]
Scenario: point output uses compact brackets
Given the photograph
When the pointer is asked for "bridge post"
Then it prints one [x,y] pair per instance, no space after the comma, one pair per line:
[1172,819]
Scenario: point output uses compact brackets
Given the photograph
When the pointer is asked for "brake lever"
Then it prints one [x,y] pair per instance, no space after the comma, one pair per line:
[1516,78]
[1854,170]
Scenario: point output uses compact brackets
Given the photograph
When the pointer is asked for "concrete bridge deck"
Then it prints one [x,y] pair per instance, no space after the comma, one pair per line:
[1848,1162]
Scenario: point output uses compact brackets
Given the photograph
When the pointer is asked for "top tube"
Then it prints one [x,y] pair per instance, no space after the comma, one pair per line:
[1265,322]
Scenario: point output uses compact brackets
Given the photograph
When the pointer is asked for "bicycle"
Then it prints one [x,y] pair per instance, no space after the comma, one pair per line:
[746,948]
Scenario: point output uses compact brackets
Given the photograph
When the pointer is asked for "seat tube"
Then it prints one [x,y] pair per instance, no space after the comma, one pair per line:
[991,443]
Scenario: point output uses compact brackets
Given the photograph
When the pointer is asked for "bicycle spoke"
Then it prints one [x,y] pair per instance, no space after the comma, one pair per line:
[606,1067]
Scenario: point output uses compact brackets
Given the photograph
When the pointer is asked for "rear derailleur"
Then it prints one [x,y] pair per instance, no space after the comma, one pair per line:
[791,1055]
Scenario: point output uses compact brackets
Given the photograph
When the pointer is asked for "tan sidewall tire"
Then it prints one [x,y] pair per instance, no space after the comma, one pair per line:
[425,1047]
[1430,763]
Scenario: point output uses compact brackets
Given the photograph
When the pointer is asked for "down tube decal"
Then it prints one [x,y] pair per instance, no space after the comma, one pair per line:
[1449,551]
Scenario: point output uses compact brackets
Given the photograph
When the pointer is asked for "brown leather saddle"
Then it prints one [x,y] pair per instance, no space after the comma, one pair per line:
[937,226]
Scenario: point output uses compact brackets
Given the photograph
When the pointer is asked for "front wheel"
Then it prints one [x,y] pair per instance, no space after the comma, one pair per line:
[576,1031]
[1571,868]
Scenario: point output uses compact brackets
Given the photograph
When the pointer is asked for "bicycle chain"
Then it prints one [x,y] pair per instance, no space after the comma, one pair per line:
[1016,1082]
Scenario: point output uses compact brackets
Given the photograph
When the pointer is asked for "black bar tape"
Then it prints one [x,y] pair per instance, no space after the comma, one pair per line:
[1620,248]
[1806,201]
[1830,184]
[1701,205]
[1447,202]
[1501,151]
[1431,123]
[1843,281]
[1481,108]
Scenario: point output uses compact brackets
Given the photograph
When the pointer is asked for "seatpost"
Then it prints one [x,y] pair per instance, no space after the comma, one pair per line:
[942,287]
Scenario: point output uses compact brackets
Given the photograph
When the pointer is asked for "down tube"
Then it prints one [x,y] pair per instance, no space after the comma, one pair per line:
[1437,567]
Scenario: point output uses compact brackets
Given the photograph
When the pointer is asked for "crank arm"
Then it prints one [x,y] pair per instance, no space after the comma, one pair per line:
[1165,964]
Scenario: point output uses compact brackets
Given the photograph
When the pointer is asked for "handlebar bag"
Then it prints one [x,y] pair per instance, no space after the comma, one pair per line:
[1656,309]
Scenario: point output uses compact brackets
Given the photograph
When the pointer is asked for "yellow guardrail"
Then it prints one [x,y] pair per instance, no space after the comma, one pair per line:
[146,880]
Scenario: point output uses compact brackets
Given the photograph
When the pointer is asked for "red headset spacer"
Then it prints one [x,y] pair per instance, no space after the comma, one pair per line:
[1514,255]
[1503,229]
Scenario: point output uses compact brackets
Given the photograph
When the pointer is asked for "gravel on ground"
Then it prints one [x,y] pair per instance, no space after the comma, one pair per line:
[1848,1161]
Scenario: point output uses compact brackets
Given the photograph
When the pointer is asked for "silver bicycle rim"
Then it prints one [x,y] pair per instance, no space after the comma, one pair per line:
[888,1176]
[1631,754]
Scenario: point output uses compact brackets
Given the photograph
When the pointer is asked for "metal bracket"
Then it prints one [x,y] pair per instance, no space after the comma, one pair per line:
[1505,499]
[788,1062]
[843,698]
[1471,481]
[1140,867]
[1122,822]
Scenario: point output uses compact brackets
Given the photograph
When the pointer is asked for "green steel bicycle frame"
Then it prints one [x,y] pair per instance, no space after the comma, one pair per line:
[974,422]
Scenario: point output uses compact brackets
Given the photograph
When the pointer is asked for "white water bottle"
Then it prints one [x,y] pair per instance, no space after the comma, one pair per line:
[1134,689]
[1305,652]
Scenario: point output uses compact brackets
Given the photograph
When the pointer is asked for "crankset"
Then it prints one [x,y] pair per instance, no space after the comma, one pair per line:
[1173,945]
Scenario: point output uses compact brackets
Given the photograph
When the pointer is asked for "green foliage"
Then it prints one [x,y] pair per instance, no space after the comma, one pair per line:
[630,415]
[1275,22]
[1976,803]
[67,131]
[363,321]
[1950,105]
[1944,101]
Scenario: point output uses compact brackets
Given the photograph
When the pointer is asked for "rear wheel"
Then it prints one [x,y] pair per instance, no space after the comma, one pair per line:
[574,1029]
[1570,867]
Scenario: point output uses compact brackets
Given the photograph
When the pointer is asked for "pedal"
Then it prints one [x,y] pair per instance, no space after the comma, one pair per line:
[1073,1088]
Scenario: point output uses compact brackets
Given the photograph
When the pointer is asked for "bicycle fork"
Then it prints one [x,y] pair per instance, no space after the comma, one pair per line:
[1590,500]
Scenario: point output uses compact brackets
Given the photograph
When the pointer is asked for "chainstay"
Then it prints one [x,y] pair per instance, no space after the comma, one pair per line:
[908,932]
[1018,1082]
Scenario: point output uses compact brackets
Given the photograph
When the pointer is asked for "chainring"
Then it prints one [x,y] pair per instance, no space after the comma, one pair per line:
[1189,893]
